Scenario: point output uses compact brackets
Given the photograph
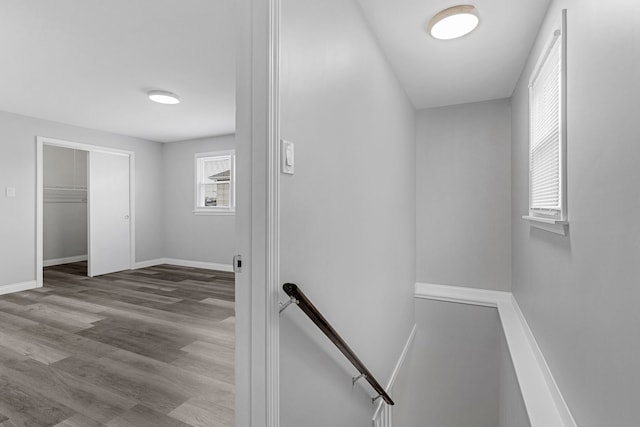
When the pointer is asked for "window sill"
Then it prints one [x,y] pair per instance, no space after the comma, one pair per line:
[213,212]
[548,224]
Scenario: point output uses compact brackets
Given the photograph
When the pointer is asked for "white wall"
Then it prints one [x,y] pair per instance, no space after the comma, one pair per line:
[348,214]
[18,169]
[64,221]
[580,293]
[205,238]
[463,195]
[459,371]
[64,231]
[452,377]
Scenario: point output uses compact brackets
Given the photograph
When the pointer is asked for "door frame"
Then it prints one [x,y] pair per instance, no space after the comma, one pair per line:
[41,141]
[258,213]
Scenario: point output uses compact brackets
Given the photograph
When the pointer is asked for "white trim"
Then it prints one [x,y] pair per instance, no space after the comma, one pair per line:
[39,212]
[559,227]
[18,287]
[217,210]
[149,263]
[257,122]
[184,263]
[132,209]
[543,55]
[544,402]
[460,294]
[82,146]
[403,357]
[547,224]
[272,312]
[67,260]
[553,386]
[230,152]
[41,141]
[199,264]
[209,211]
[543,219]
[380,417]
[563,116]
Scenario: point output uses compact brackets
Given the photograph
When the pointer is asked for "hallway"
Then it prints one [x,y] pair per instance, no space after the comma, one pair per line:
[149,347]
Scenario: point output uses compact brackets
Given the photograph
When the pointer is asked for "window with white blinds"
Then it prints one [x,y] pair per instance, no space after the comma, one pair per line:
[546,144]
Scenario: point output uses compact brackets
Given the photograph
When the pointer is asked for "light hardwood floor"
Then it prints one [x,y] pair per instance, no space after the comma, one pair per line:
[151,347]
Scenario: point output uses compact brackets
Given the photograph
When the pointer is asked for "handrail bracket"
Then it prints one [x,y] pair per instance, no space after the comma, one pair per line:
[284,305]
[355,378]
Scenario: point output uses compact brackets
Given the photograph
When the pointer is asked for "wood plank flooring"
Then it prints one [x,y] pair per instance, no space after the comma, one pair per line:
[151,347]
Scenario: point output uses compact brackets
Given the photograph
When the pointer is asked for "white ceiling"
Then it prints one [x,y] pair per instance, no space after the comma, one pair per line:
[90,62]
[483,65]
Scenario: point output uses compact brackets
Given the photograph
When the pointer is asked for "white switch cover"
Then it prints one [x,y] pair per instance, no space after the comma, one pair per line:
[287,157]
[10,192]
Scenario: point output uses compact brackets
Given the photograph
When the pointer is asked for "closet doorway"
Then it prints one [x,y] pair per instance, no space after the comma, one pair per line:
[85,208]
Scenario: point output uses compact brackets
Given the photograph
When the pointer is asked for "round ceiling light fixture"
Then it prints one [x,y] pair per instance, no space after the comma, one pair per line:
[163,97]
[453,22]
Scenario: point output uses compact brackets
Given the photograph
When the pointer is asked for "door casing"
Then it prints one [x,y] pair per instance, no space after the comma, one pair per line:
[41,141]
[257,212]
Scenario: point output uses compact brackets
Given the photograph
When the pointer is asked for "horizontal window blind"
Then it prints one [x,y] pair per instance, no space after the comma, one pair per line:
[544,166]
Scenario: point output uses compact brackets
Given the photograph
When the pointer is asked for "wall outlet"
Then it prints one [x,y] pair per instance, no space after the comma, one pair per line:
[10,192]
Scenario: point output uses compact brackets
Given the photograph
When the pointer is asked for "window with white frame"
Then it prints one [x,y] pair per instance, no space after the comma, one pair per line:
[215,183]
[547,160]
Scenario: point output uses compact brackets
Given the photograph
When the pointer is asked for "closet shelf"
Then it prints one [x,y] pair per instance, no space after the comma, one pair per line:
[64,195]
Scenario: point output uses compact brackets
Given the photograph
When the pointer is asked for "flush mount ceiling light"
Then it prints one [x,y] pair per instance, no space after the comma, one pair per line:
[163,97]
[453,22]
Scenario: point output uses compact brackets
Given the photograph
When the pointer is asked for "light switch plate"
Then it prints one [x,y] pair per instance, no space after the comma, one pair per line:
[287,158]
[10,192]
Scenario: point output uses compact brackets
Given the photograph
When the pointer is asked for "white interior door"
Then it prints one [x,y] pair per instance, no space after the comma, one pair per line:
[109,213]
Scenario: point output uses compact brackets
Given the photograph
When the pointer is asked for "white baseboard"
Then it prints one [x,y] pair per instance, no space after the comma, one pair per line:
[67,260]
[184,263]
[200,264]
[563,409]
[149,263]
[17,287]
[459,294]
[544,402]
[382,414]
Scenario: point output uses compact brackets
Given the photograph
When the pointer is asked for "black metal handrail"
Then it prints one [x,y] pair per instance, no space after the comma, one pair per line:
[299,298]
